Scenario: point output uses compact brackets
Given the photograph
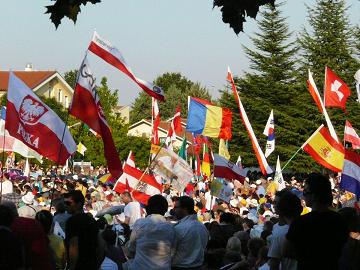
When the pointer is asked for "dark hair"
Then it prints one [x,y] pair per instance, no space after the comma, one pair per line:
[289,205]
[6,216]
[157,204]
[76,195]
[187,203]
[320,187]
[101,223]
[46,219]
[255,245]
[351,218]
[126,193]
[227,218]
[109,236]
[249,222]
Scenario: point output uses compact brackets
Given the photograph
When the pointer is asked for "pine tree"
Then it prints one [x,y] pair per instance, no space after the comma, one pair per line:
[270,85]
[332,41]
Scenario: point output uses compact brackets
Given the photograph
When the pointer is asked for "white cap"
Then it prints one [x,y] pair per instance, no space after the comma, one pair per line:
[258,182]
[269,178]
[253,186]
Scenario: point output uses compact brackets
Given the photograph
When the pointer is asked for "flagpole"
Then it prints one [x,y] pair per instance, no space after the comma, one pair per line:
[291,158]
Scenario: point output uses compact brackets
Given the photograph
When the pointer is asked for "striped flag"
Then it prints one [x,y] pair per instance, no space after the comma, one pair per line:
[175,128]
[269,131]
[205,165]
[264,166]
[325,150]
[81,148]
[31,121]
[316,96]
[226,169]
[156,122]
[113,56]
[351,136]
[223,150]
[86,106]
[350,176]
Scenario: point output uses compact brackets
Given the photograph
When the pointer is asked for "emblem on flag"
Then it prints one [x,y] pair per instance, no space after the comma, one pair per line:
[31,110]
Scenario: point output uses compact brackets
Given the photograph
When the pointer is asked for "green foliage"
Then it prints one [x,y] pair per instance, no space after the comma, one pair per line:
[4,99]
[333,42]
[270,85]
[234,12]
[68,8]
[177,88]
[70,77]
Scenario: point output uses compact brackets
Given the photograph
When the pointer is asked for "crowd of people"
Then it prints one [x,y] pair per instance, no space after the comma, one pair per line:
[74,221]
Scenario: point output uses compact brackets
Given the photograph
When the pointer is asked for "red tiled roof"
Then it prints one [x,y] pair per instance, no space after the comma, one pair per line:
[30,78]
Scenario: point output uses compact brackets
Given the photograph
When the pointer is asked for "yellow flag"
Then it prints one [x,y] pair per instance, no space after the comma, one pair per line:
[81,148]
[223,151]
[154,149]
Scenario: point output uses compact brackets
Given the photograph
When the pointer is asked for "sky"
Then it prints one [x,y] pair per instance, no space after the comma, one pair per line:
[154,36]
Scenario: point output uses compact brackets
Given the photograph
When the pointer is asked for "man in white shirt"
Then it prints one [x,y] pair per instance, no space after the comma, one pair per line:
[191,237]
[7,185]
[132,209]
[152,238]
[287,206]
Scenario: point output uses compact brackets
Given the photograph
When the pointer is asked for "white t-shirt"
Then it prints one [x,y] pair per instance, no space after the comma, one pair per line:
[201,185]
[276,245]
[132,210]
[209,201]
[7,187]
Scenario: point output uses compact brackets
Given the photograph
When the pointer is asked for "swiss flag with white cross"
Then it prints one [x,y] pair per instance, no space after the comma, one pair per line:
[336,90]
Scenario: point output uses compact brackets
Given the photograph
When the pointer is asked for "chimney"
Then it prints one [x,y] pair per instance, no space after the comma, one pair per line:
[29,67]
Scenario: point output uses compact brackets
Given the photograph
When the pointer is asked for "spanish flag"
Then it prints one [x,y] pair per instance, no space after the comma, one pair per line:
[325,149]
[205,165]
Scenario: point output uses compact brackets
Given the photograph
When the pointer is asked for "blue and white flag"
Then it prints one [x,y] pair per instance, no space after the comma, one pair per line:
[269,131]
[350,176]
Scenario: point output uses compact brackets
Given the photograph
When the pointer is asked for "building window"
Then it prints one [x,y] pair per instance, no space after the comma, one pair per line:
[59,96]
[49,92]
[66,102]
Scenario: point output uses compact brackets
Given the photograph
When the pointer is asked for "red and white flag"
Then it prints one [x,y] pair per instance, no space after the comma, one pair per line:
[226,169]
[131,159]
[175,127]
[86,106]
[317,98]
[141,185]
[113,56]
[31,121]
[264,166]
[156,122]
[336,90]
[351,136]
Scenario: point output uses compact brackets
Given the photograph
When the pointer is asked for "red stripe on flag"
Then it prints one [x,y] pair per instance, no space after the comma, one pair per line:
[314,95]
[307,148]
[325,133]
[112,60]
[226,121]
[48,143]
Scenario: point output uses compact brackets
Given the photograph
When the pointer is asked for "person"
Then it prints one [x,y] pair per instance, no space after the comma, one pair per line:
[191,237]
[6,185]
[28,210]
[11,250]
[288,207]
[81,241]
[132,209]
[152,238]
[60,215]
[317,238]
[56,244]
[112,252]
[224,230]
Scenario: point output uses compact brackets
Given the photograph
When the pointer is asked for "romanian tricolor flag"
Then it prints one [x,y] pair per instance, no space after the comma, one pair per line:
[205,165]
[325,149]
[208,120]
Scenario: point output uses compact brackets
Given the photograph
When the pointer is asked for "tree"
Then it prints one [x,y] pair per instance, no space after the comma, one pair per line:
[177,88]
[234,12]
[270,85]
[70,77]
[329,41]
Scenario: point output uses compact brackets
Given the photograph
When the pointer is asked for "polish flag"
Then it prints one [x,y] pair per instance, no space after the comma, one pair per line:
[86,106]
[156,122]
[264,166]
[141,185]
[113,56]
[351,136]
[336,90]
[131,159]
[175,127]
[31,121]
